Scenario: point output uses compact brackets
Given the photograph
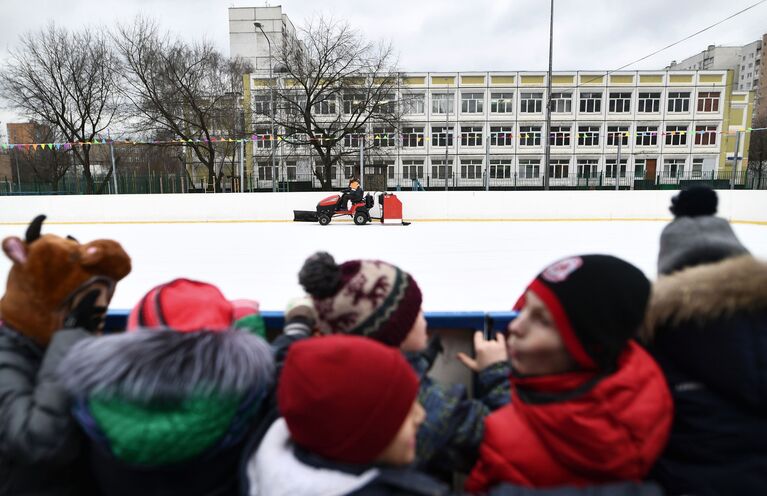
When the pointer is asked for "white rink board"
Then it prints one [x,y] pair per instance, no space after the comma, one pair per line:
[460,266]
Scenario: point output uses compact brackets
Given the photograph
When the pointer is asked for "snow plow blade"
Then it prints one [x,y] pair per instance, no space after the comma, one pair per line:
[305,216]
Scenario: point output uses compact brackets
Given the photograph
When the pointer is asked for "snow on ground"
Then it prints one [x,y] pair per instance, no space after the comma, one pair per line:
[460,266]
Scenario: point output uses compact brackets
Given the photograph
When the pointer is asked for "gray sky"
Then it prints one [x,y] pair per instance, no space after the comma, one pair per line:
[445,35]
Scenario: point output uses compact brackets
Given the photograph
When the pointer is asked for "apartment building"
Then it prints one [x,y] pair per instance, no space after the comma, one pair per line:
[474,127]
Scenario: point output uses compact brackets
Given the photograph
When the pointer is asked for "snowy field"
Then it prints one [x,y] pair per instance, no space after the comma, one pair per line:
[460,266]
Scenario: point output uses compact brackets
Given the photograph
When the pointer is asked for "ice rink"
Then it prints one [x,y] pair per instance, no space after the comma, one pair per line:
[460,266]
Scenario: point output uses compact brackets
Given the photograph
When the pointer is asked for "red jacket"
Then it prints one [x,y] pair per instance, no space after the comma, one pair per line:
[613,431]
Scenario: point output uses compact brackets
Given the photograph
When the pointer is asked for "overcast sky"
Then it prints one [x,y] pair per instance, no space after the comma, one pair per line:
[445,35]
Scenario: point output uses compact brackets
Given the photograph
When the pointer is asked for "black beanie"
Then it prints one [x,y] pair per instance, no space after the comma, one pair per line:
[597,303]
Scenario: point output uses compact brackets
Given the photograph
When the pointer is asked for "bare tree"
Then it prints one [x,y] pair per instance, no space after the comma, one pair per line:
[67,80]
[189,90]
[757,153]
[47,164]
[334,85]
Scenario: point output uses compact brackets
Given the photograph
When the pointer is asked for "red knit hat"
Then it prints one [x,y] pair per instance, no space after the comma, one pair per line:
[345,397]
[184,306]
[365,297]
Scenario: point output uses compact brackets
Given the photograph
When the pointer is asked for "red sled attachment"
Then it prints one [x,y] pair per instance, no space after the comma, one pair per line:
[391,209]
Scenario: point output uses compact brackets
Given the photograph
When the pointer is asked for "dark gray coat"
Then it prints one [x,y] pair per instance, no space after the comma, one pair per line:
[40,443]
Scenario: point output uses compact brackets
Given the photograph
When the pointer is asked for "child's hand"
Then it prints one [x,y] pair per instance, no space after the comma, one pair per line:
[488,352]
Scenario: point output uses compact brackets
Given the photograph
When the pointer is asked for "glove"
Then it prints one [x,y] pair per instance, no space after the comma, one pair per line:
[302,307]
[87,315]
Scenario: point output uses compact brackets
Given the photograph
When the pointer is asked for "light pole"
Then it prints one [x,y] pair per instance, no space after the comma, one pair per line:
[273,141]
[547,135]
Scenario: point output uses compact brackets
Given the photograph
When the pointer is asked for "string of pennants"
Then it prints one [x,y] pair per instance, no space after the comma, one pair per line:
[384,136]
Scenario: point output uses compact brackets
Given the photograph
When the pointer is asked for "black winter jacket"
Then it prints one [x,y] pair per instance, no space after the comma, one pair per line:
[41,446]
[707,328]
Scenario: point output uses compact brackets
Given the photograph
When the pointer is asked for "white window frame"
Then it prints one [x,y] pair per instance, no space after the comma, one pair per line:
[471,135]
[502,102]
[590,102]
[678,102]
[532,134]
[530,102]
[562,102]
[648,97]
[588,135]
[442,103]
[502,135]
[472,103]
[620,102]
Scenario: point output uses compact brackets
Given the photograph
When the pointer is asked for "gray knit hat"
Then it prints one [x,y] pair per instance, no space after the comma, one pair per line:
[696,236]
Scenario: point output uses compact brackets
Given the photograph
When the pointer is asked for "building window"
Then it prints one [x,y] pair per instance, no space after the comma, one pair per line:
[384,137]
[261,104]
[673,167]
[291,170]
[501,103]
[530,135]
[439,134]
[610,167]
[325,107]
[500,168]
[678,101]
[412,137]
[502,136]
[412,169]
[705,135]
[264,138]
[639,168]
[708,101]
[386,104]
[559,168]
[385,167]
[559,136]
[413,103]
[620,103]
[351,169]
[531,103]
[588,135]
[591,102]
[588,168]
[529,168]
[647,135]
[471,136]
[697,167]
[352,140]
[264,171]
[616,134]
[472,103]
[649,102]
[442,103]
[438,169]
[353,103]
[562,103]
[676,135]
[471,169]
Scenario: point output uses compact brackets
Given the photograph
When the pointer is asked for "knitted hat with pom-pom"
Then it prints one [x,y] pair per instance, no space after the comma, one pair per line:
[365,297]
[696,236]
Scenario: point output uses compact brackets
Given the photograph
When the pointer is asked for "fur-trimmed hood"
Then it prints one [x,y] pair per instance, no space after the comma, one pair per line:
[706,292]
[275,471]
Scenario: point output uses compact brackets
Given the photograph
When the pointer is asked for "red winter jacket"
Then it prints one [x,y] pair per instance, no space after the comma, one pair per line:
[552,435]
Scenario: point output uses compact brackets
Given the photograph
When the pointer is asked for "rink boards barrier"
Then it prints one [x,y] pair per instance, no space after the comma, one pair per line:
[747,206]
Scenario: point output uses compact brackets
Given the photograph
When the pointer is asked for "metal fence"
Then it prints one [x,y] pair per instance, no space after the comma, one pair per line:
[176,183]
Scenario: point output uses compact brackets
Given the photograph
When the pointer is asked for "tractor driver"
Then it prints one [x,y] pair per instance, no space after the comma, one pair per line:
[354,193]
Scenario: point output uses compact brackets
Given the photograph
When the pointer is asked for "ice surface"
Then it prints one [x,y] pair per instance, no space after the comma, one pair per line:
[460,266]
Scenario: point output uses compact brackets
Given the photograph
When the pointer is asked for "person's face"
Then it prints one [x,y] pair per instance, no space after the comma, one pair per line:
[100,305]
[416,339]
[354,185]
[401,450]
[534,343]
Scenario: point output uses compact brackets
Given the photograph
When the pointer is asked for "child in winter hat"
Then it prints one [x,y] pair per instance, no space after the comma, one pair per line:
[347,426]
[167,405]
[57,294]
[588,405]
[379,300]
[364,297]
[696,235]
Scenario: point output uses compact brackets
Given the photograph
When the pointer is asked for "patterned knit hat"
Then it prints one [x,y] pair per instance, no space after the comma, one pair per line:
[336,405]
[365,297]
[597,303]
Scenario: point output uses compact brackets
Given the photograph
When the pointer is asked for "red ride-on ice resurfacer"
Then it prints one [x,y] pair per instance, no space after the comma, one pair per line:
[391,210]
